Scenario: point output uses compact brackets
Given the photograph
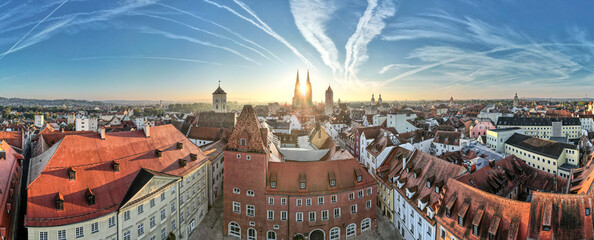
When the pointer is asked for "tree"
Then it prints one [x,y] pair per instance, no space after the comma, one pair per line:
[171,236]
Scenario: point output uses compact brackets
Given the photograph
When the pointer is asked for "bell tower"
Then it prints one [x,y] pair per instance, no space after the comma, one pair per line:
[219,100]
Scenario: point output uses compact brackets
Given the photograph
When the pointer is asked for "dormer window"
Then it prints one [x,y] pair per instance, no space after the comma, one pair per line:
[242,142]
[428,184]
[414,175]
[358,174]
[332,183]
[302,181]
[587,211]
[193,156]
[182,162]
[180,145]
[59,202]
[547,215]
[477,221]
[272,184]
[436,189]
[71,174]
[90,197]
[359,179]
[302,185]
[450,206]
[115,166]
[159,153]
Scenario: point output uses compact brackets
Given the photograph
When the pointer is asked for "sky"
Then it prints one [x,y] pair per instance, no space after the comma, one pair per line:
[404,50]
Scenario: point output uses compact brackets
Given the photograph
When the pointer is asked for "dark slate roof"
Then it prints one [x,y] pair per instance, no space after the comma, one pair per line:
[219,91]
[538,145]
[141,179]
[526,121]
[505,129]
[216,120]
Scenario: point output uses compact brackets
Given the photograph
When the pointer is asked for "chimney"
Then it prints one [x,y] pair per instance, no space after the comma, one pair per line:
[102,132]
[147,130]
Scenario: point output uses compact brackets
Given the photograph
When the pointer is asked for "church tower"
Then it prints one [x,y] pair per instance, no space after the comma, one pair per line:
[308,97]
[379,100]
[297,96]
[219,100]
[516,100]
[329,104]
[372,99]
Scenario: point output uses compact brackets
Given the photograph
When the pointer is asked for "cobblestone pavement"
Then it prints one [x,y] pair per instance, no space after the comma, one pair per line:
[212,227]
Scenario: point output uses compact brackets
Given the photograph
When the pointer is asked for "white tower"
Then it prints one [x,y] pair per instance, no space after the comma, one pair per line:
[219,100]
[39,121]
[329,104]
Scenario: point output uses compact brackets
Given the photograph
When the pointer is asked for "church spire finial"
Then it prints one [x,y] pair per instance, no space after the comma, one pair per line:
[219,83]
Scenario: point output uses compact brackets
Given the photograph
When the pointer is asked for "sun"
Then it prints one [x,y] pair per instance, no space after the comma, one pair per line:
[303,89]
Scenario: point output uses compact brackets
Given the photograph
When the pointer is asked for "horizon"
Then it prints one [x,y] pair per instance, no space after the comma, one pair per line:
[150,50]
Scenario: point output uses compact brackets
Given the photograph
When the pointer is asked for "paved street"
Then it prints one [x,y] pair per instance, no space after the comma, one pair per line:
[212,227]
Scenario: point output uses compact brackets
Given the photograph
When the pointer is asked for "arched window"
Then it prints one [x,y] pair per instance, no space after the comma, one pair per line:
[365,224]
[252,235]
[234,229]
[351,230]
[335,233]
[271,235]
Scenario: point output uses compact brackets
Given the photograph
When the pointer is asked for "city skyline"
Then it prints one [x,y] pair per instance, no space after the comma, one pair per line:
[178,51]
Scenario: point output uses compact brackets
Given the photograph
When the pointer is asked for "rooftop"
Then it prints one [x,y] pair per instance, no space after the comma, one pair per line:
[538,145]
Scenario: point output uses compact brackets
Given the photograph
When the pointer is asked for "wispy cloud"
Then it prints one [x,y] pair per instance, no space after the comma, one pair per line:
[11,49]
[226,29]
[263,26]
[310,18]
[155,58]
[370,25]
[197,41]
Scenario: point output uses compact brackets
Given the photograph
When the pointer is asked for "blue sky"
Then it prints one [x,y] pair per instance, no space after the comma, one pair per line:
[178,50]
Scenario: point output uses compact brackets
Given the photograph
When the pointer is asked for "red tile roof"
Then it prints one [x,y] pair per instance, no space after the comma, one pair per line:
[447,137]
[248,127]
[92,160]
[15,139]
[564,213]
[209,133]
[9,176]
[317,178]
[506,218]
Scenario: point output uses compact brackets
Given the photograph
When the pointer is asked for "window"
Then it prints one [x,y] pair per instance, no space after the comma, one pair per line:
[163,214]
[308,202]
[238,156]
[94,227]
[368,204]
[250,210]
[324,215]
[270,215]
[140,209]
[236,207]
[127,235]
[250,193]
[112,221]
[351,230]
[164,234]
[335,233]
[302,185]
[369,190]
[283,201]
[271,235]
[442,233]
[365,224]
[172,207]
[140,229]
[152,222]
[272,184]
[126,215]
[152,202]
[299,217]
[299,202]
[163,196]
[80,232]
[333,198]
[242,142]
[353,208]
[61,234]
[252,235]
[234,229]
[236,190]
[587,211]
[332,183]
[360,193]
[320,200]
[42,235]
[283,216]
[173,224]
[270,201]
[351,196]
[248,157]
[336,212]
[312,216]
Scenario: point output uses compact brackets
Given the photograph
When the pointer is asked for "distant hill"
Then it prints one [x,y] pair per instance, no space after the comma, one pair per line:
[48,103]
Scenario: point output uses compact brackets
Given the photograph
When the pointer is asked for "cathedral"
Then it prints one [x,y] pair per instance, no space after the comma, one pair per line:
[302,96]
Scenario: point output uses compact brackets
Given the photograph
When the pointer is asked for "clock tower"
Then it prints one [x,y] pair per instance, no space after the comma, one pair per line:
[219,100]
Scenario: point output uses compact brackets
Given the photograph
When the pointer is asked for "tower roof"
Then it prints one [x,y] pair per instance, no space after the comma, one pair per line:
[219,90]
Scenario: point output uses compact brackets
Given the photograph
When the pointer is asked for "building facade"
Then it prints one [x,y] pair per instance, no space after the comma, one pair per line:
[496,137]
[545,128]
[264,198]
[10,176]
[146,184]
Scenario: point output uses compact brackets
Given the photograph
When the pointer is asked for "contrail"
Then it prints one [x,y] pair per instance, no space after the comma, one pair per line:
[31,30]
